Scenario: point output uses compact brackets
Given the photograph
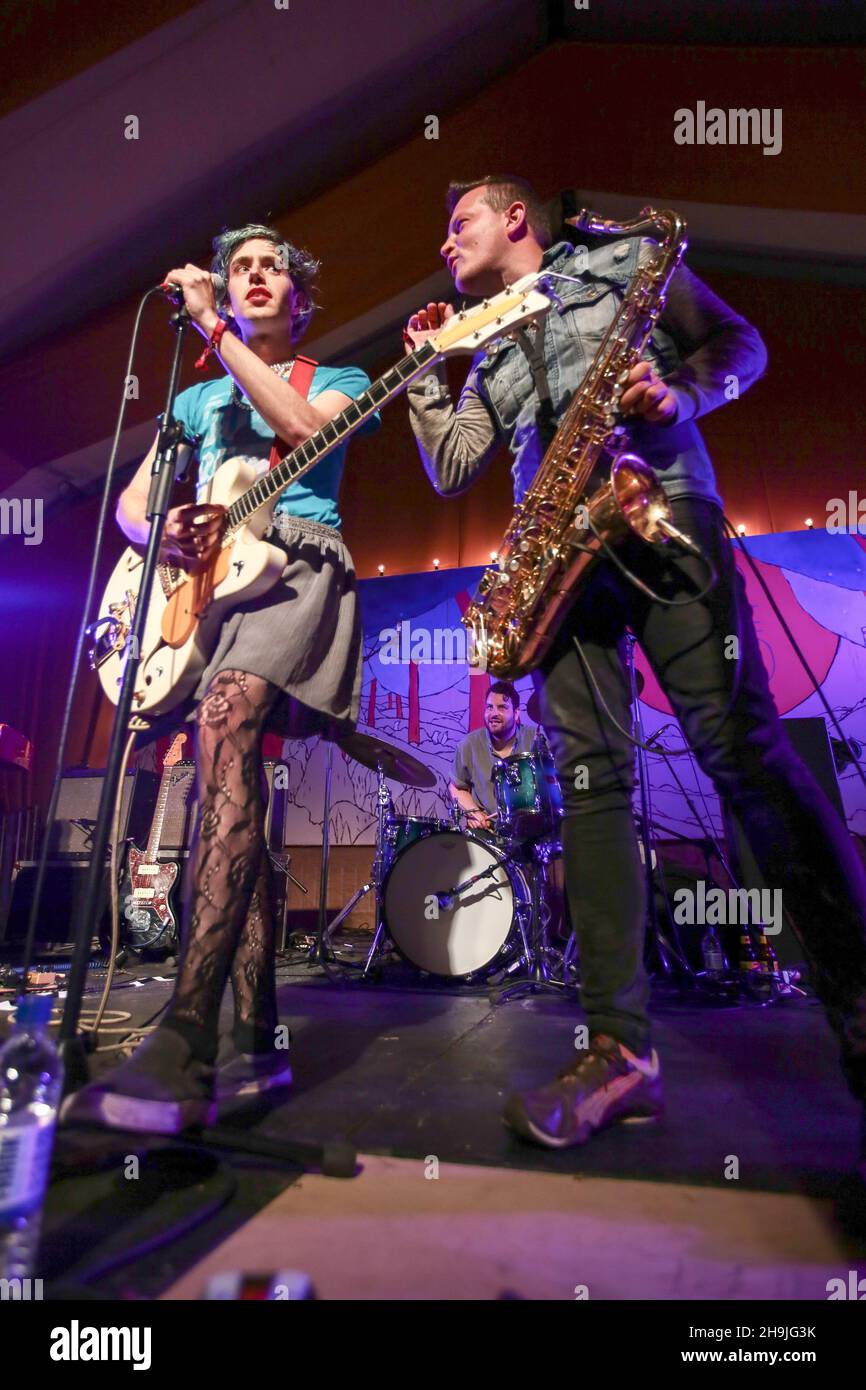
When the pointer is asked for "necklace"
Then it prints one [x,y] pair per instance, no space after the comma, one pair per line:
[278,367]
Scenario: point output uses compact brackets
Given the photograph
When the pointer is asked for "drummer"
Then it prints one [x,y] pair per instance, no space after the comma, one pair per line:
[502,734]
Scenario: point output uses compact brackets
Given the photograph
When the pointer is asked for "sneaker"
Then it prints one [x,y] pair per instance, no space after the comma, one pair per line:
[253,1074]
[607,1083]
[160,1089]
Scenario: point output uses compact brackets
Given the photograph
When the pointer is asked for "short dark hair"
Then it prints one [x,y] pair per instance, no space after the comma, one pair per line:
[507,691]
[302,267]
[502,191]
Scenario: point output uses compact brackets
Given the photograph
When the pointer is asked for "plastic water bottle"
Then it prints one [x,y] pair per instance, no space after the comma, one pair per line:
[31,1079]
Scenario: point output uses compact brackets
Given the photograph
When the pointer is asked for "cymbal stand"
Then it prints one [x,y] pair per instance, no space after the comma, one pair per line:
[324,951]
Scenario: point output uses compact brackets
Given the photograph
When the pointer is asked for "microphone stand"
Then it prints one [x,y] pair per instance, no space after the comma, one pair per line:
[74,1045]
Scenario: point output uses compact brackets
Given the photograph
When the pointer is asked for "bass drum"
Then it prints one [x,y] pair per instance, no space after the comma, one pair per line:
[446,933]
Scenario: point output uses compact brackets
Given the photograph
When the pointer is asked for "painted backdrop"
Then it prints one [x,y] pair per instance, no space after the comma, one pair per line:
[420,693]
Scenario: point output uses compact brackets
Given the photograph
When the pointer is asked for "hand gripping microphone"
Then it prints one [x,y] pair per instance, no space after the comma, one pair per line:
[175,293]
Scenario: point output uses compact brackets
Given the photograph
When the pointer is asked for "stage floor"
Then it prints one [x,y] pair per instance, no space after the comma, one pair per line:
[411,1075]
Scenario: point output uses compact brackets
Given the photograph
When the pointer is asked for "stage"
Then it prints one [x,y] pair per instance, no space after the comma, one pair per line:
[414,1077]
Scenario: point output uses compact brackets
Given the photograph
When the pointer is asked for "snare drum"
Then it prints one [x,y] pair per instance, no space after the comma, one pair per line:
[435,927]
[528,795]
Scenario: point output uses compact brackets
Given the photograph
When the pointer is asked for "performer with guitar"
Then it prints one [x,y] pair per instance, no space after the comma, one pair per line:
[288,661]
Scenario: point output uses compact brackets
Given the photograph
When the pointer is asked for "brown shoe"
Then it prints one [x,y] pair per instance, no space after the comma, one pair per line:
[605,1084]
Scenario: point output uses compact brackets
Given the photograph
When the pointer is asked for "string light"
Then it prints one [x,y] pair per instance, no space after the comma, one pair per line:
[381,569]
[741,530]
[809,522]
[435,564]
[493,555]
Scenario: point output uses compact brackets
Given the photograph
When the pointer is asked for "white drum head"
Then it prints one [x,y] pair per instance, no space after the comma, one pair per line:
[453,940]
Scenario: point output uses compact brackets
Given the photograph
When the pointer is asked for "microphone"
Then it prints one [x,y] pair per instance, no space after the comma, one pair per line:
[175,293]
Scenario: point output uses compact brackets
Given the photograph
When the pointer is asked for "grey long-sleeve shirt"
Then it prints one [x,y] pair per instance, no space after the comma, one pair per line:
[705,351]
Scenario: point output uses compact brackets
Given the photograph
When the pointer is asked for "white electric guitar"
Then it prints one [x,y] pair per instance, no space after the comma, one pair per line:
[187,610]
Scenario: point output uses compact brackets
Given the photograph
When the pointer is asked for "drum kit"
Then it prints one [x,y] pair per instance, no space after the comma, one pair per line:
[457,902]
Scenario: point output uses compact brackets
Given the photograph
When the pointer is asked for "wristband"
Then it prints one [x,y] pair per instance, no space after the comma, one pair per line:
[212,344]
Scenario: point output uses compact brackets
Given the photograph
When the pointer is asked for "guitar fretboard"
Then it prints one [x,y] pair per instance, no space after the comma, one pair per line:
[300,460]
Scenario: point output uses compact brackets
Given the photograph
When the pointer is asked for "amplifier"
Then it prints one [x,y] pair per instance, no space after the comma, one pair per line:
[70,835]
[62,896]
[182,804]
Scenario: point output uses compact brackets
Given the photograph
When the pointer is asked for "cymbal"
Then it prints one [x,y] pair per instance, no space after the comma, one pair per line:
[401,766]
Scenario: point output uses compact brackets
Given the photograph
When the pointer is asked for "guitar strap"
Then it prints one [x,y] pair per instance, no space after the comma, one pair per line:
[302,379]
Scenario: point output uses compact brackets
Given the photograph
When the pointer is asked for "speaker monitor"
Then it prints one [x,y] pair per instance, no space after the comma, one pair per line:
[181,806]
[62,897]
[70,834]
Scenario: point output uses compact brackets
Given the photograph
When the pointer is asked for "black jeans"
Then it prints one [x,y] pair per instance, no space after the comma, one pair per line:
[796,836]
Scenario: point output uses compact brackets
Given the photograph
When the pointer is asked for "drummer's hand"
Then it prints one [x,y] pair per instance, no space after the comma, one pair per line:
[478,820]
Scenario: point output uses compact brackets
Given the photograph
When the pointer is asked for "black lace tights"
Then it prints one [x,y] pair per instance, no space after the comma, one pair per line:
[228,927]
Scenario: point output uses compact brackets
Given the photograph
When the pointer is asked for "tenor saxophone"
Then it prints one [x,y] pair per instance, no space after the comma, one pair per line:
[589,493]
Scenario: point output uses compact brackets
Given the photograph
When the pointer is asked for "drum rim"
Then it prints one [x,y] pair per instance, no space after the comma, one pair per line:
[501,853]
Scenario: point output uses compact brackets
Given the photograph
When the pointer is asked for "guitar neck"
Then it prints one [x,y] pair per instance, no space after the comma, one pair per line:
[308,454]
[158,818]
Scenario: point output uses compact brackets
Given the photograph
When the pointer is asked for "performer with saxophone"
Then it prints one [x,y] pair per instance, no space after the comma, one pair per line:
[700,354]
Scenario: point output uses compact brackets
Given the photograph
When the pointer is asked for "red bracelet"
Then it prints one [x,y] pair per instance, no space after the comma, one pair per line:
[213,343]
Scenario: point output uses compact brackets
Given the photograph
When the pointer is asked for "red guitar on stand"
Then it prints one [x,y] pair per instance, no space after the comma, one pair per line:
[147,890]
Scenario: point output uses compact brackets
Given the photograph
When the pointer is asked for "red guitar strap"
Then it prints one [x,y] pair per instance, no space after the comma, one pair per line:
[302,379]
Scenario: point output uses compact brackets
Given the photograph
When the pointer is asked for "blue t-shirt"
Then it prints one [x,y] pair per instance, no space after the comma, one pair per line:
[231,430]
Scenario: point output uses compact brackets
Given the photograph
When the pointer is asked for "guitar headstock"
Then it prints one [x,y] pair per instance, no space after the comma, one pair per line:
[514,307]
[175,752]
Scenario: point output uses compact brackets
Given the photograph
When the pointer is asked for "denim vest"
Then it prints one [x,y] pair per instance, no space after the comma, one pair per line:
[572,332]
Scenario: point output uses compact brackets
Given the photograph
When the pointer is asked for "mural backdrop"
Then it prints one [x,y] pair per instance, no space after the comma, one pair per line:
[420,694]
